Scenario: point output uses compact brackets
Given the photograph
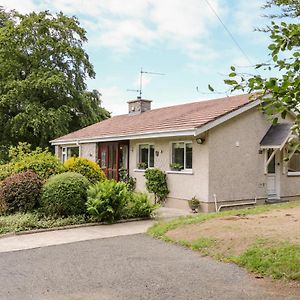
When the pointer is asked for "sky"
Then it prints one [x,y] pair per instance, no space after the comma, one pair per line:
[182,39]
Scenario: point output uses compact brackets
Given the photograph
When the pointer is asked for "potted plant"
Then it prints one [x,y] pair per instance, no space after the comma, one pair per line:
[176,167]
[142,166]
[194,204]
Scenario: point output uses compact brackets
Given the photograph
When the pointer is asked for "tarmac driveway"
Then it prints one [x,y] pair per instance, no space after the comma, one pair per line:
[124,267]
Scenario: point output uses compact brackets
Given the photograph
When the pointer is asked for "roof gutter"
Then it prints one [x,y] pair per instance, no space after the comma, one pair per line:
[147,135]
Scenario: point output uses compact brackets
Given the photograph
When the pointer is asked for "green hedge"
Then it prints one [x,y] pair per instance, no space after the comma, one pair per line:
[65,195]
[85,167]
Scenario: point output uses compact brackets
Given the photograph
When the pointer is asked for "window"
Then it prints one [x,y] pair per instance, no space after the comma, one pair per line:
[294,163]
[182,154]
[68,152]
[146,156]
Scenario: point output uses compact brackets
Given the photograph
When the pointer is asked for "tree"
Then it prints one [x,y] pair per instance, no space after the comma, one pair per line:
[43,68]
[278,94]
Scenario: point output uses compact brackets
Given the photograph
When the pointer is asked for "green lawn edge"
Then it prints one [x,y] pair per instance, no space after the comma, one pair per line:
[279,260]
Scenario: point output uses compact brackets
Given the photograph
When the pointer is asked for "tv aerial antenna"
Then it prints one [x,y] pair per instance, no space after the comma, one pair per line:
[139,91]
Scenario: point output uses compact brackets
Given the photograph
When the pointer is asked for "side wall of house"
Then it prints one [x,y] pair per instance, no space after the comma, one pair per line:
[182,186]
[236,165]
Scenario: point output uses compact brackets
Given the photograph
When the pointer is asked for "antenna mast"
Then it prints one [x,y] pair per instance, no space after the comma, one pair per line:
[141,82]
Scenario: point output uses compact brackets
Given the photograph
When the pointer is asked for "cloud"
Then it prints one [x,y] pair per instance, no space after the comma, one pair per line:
[123,27]
[114,99]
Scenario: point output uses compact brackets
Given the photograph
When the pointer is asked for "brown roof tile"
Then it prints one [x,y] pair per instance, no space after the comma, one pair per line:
[178,117]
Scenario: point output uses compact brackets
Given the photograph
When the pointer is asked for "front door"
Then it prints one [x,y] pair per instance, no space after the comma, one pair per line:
[271,177]
[113,156]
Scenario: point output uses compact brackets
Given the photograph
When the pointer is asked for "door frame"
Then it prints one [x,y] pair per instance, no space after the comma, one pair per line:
[106,146]
[276,174]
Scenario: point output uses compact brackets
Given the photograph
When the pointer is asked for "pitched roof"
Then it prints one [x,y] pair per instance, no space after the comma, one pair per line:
[167,119]
[276,136]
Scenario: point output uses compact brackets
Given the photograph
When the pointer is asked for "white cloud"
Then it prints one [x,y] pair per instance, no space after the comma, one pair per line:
[114,99]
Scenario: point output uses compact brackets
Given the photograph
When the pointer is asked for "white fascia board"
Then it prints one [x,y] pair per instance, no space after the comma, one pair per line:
[147,135]
[226,117]
[270,147]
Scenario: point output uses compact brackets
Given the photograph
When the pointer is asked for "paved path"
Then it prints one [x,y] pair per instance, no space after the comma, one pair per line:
[125,267]
[58,237]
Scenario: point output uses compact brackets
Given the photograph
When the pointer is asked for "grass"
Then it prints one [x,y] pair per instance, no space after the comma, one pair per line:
[269,258]
[28,221]
[281,260]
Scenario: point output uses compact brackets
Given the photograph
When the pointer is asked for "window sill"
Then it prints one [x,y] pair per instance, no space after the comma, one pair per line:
[139,170]
[293,174]
[184,172]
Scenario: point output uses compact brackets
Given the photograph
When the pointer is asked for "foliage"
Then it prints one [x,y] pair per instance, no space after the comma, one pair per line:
[142,166]
[65,195]
[20,192]
[85,167]
[194,203]
[43,68]
[176,166]
[42,162]
[278,94]
[129,180]
[29,221]
[107,199]
[156,182]
[279,260]
[6,170]
[138,206]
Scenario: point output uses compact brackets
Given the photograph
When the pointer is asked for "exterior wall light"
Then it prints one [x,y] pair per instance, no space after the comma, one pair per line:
[200,141]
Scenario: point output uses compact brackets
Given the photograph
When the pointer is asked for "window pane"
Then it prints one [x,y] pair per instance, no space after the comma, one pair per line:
[73,152]
[143,154]
[271,166]
[151,158]
[294,163]
[178,153]
[189,156]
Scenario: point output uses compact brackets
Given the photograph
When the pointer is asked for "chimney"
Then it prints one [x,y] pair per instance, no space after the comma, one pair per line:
[138,106]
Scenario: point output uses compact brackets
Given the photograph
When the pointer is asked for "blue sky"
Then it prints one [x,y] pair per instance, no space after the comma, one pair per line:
[182,39]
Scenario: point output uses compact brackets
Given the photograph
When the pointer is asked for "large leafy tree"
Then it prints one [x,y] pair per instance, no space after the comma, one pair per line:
[281,93]
[43,69]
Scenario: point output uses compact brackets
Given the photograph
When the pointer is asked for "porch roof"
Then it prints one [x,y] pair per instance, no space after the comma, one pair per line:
[277,136]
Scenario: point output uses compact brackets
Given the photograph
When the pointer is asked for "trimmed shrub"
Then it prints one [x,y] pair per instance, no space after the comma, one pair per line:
[43,163]
[138,206]
[156,183]
[107,199]
[65,195]
[20,192]
[85,167]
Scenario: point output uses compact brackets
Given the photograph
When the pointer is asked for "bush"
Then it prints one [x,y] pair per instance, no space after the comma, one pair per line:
[156,182]
[85,167]
[6,170]
[129,180]
[41,162]
[20,192]
[138,206]
[65,195]
[107,199]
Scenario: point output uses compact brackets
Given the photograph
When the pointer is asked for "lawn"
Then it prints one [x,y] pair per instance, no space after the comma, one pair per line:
[264,239]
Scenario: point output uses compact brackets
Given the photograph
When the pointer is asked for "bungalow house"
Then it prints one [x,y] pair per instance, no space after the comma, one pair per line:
[222,150]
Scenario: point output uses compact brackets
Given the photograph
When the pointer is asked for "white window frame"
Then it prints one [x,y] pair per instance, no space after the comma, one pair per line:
[64,152]
[138,154]
[184,154]
[291,173]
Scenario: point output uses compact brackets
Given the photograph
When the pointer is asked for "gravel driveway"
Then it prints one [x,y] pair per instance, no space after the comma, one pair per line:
[125,267]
